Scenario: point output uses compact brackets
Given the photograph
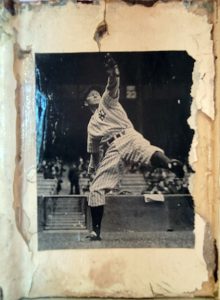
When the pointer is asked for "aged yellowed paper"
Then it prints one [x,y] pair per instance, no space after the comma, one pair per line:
[74,28]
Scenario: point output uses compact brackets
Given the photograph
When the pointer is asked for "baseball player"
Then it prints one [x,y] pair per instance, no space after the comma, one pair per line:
[113,143]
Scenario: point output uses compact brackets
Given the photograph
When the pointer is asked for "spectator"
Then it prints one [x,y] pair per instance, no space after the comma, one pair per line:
[73,176]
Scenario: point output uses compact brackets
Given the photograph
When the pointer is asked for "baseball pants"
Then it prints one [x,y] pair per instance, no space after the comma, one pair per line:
[132,147]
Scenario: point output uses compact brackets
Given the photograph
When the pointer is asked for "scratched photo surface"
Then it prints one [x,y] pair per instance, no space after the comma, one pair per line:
[146,206]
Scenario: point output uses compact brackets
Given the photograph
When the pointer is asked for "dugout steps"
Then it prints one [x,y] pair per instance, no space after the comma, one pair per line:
[62,212]
[46,186]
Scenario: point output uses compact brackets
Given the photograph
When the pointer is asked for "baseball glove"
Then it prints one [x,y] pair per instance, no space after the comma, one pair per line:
[111,65]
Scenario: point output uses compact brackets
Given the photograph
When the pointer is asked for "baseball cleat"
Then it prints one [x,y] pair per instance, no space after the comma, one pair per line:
[93,236]
[176,167]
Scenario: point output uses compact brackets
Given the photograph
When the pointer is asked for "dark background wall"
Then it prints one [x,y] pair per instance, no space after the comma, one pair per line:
[160,110]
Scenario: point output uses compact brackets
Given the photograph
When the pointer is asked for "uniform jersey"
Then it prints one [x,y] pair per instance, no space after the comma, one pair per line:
[108,119]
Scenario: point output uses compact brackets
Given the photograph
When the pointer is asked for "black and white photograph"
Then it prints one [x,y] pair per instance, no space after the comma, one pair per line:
[112,150]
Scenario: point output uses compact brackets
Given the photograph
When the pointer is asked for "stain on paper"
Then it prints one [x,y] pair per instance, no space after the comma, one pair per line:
[108,274]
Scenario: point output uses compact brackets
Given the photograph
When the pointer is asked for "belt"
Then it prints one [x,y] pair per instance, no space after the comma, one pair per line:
[114,137]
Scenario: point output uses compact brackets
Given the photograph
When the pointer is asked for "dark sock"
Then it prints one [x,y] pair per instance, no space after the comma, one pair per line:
[97,214]
[159,160]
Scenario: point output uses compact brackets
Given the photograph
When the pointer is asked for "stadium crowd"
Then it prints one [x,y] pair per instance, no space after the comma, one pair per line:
[76,178]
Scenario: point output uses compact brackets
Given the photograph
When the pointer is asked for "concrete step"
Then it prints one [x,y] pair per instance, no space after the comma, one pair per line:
[66,220]
[45,193]
[132,189]
[67,205]
[46,186]
[42,180]
[138,185]
[68,213]
[133,175]
[65,227]
[46,181]
[66,217]
[133,181]
[63,217]
[71,222]
[45,189]
[132,185]
[68,209]
[66,200]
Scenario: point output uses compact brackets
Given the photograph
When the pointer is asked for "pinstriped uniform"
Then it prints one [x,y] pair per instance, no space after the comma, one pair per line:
[108,120]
